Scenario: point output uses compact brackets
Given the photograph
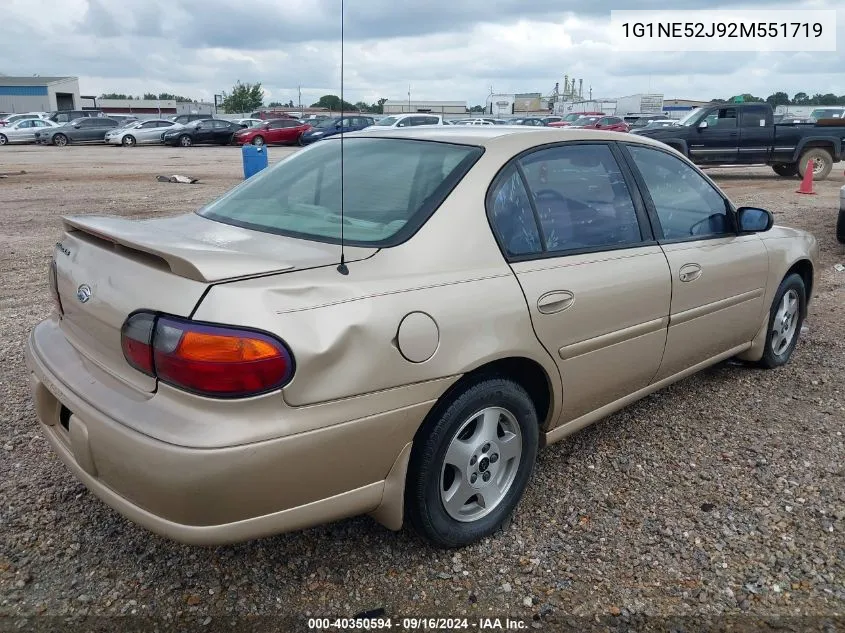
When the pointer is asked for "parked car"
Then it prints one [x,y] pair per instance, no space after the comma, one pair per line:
[607,123]
[184,119]
[66,116]
[660,124]
[9,119]
[202,132]
[83,130]
[146,132]
[23,131]
[243,362]
[745,134]
[552,119]
[473,122]
[530,121]
[792,120]
[335,125]
[273,132]
[644,121]
[570,118]
[409,120]
[818,114]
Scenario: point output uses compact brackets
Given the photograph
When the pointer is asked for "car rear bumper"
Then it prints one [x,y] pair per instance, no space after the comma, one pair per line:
[208,496]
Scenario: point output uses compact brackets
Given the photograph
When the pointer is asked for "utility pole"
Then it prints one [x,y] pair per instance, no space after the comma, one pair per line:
[409,97]
[299,88]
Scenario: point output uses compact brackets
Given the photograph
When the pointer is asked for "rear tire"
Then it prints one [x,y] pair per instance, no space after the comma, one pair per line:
[464,479]
[822,162]
[3,139]
[786,317]
[786,171]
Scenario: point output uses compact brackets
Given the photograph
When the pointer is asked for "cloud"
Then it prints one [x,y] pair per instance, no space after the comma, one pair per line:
[443,49]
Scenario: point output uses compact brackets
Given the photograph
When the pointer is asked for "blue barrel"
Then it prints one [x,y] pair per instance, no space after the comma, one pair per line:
[255,159]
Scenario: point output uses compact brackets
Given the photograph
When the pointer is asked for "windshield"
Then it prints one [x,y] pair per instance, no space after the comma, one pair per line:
[391,187]
[572,117]
[387,121]
[692,118]
[825,113]
[326,123]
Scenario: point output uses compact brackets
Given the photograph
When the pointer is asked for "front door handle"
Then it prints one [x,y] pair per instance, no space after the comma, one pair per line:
[555,301]
[689,272]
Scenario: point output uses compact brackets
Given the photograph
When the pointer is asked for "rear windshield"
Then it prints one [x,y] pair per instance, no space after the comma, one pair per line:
[390,188]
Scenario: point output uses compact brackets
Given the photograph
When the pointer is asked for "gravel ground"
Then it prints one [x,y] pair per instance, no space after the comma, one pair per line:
[719,497]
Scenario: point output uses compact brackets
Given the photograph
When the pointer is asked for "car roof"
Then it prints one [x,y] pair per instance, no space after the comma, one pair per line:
[513,137]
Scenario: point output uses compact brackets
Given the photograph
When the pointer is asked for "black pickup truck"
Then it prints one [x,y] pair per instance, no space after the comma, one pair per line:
[745,134]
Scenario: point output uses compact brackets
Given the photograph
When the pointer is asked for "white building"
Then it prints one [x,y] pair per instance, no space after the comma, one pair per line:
[500,105]
[607,106]
[39,94]
[635,104]
[397,106]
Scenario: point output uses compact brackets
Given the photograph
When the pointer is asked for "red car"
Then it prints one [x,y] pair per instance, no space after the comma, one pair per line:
[612,123]
[569,119]
[274,132]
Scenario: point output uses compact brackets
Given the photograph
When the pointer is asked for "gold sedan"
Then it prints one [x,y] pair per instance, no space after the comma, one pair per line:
[394,323]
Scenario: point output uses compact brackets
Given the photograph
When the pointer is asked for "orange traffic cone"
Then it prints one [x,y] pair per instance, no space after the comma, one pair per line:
[807,181]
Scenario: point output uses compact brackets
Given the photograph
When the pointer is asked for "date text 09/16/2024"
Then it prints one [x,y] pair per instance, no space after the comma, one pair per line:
[416,624]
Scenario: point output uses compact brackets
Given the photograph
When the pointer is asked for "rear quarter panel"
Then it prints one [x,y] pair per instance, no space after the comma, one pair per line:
[342,328]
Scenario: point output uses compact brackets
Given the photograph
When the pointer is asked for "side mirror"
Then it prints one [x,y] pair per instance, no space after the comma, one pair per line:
[754,220]
[702,125]
[76,125]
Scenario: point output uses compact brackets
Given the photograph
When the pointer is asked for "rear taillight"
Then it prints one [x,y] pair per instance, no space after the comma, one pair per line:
[209,360]
[136,339]
[53,282]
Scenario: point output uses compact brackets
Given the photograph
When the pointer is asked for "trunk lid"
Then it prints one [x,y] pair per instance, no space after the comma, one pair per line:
[108,268]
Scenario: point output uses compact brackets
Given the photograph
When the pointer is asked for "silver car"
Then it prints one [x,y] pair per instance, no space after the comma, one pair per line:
[23,130]
[140,133]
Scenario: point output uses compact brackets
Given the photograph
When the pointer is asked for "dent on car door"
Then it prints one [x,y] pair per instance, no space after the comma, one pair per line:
[718,276]
[597,285]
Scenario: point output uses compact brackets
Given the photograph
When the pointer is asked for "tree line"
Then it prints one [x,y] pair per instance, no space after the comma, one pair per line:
[150,96]
[798,99]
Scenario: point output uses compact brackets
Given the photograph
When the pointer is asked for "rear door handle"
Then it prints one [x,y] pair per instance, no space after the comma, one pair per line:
[555,301]
[689,272]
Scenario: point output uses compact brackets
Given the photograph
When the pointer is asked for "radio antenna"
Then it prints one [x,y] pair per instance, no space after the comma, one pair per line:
[342,268]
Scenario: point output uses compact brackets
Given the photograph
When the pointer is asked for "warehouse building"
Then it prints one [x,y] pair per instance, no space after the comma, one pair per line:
[434,107]
[39,94]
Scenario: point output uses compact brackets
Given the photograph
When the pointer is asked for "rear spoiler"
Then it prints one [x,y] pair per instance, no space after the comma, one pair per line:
[199,261]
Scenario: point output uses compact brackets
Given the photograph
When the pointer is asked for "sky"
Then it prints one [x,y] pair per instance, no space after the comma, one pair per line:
[451,50]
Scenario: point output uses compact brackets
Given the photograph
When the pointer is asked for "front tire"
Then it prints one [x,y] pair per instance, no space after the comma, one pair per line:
[258,140]
[822,163]
[186,141]
[471,462]
[60,140]
[129,141]
[786,170]
[3,139]
[785,319]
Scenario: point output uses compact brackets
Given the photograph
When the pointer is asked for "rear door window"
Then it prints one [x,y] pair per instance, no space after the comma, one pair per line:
[581,197]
